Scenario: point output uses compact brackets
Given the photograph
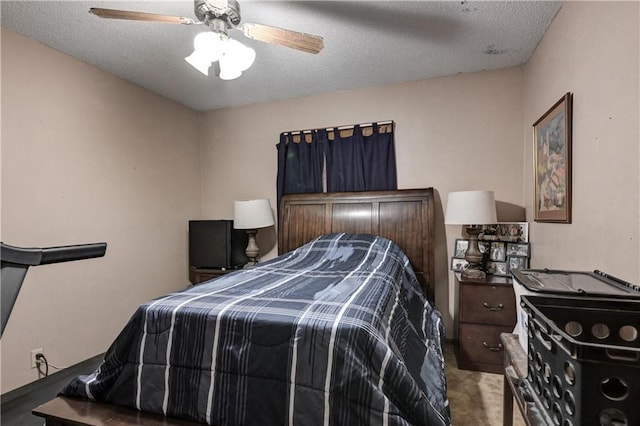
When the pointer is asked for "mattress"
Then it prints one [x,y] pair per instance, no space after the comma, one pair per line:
[336,332]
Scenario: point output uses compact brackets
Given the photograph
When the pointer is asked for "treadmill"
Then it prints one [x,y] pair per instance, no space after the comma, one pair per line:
[17,260]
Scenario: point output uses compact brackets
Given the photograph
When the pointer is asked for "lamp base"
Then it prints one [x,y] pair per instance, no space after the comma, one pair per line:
[252,250]
[473,274]
[250,263]
[475,270]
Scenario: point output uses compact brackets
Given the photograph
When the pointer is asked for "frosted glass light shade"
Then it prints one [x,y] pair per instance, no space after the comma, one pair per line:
[240,55]
[470,208]
[210,46]
[199,62]
[252,214]
[228,72]
[236,59]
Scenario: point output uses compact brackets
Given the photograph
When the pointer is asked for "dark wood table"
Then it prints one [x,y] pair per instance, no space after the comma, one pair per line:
[63,411]
[515,388]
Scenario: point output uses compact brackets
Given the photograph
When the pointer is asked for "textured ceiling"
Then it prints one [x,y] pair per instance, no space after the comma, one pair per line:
[367,43]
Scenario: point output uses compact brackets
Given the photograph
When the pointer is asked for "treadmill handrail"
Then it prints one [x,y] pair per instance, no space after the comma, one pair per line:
[16,261]
[43,256]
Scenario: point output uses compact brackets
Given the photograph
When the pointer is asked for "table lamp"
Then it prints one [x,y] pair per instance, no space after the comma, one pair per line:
[471,208]
[252,215]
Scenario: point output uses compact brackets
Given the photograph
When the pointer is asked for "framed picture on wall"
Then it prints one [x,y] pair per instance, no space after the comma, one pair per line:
[552,163]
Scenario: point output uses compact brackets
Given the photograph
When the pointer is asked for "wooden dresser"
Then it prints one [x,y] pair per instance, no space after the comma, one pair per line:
[486,309]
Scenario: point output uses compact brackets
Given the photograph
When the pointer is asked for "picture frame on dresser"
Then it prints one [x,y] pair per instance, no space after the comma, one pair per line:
[498,269]
[516,232]
[517,262]
[552,139]
[457,265]
[460,248]
[484,247]
[497,251]
[518,249]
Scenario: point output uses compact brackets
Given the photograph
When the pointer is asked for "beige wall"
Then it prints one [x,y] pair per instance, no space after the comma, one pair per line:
[452,133]
[591,49]
[88,157]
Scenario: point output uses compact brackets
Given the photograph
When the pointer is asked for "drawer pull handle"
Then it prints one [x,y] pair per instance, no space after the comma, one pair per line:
[492,348]
[497,307]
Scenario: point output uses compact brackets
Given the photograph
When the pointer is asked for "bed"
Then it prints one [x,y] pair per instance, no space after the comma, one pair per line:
[334,331]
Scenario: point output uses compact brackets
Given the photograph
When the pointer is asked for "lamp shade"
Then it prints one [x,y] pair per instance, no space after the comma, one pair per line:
[470,208]
[252,214]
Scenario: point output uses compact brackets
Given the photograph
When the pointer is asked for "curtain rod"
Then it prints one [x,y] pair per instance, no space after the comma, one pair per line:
[346,127]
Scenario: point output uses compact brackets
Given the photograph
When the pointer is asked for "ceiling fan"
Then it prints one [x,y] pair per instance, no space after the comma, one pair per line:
[215,45]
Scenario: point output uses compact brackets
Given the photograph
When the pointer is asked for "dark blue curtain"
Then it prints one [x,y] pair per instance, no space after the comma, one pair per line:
[353,163]
[361,163]
[300,164]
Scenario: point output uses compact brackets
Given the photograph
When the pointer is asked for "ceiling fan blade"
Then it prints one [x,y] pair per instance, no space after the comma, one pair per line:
[140,16]
[306,42]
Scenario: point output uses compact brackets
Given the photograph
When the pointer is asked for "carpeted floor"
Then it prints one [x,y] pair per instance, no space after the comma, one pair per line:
[474,398]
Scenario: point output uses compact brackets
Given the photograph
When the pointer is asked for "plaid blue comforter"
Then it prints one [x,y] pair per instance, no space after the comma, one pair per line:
[336,332]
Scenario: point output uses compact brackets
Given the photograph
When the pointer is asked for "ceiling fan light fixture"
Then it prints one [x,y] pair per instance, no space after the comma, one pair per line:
[208,48]
[228,72]
[210,45]
[215,45]
[236,59]
[239,55]
[199,62]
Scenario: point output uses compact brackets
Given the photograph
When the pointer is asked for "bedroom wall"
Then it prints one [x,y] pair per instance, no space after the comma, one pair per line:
[592,50]
[87,157]
[453,133]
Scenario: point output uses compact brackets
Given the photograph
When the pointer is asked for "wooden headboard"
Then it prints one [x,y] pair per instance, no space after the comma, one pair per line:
[405,216]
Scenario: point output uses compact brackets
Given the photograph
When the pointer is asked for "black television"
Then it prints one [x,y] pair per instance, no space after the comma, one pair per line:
[214,244]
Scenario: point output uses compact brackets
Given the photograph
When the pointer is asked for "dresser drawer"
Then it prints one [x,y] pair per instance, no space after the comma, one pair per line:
[487,304]
[480,344]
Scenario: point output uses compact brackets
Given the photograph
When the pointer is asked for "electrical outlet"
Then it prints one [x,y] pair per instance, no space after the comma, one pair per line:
[32,355]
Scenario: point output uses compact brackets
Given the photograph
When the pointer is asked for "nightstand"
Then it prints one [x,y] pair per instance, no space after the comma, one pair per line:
[486,308]
[198,275]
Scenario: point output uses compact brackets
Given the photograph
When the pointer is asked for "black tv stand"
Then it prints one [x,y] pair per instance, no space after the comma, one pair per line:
[198,275]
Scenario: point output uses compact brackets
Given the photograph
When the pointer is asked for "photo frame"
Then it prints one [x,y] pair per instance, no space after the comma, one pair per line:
[518,249]
[457,265]
[505,231]
[497,251]
[552,138]
[497,268]
[460,248]
[516,262]
[484,247]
